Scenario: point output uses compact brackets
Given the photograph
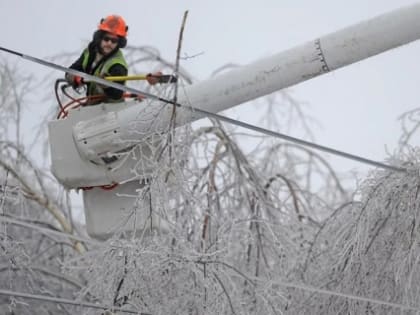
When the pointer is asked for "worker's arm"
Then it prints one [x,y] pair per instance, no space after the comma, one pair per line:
[75,81]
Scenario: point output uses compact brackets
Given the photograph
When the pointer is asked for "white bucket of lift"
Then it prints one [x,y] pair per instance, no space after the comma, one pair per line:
[126,208]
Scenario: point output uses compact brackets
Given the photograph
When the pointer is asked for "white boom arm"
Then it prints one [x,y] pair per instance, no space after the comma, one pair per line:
[274,73]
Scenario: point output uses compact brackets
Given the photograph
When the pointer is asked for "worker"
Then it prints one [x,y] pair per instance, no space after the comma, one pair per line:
[103,57]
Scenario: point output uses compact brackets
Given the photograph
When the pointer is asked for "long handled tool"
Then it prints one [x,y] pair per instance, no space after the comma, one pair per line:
[164,78]
[87,77]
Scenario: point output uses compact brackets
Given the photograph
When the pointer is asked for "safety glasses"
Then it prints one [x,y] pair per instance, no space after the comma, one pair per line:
[110,39]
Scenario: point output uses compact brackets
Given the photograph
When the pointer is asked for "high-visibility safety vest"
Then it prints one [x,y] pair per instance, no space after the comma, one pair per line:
[102,71]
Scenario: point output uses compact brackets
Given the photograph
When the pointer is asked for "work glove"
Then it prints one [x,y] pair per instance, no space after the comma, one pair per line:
[140,97]
[74,80]
[78,81]
[153,78]
[137,97]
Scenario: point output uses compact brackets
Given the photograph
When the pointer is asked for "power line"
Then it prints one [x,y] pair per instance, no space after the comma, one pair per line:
[66,301]
[204,112]
[348,296]
[284,284]
[44,230]
[300,141]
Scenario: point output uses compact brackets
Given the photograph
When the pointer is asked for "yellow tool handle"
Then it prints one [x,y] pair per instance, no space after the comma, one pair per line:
[163,78]
[126,77]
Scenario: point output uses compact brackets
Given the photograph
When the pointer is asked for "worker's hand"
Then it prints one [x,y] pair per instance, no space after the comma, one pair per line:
[137,97]
[153,78]
[78,81]
[140,97]
[75,80]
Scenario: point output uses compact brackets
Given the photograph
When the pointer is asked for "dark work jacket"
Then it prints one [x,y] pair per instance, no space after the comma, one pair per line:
[85,64]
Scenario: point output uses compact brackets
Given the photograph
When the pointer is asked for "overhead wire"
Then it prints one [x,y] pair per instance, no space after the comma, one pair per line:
[284,284]
[347,296]
[302,142]
[20,222]
[125,88]
[58,300]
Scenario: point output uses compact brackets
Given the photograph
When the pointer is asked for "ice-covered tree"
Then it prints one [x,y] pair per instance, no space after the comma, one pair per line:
[260,228]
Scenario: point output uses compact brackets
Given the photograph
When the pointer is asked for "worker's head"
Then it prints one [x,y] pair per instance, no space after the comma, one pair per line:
[112,32]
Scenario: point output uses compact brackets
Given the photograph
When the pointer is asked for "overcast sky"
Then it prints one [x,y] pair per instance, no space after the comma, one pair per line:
[357,106]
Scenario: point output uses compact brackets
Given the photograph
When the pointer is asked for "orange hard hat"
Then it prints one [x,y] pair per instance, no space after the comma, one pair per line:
[114,24]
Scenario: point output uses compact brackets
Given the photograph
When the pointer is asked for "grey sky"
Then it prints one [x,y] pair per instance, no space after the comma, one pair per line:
[357,106]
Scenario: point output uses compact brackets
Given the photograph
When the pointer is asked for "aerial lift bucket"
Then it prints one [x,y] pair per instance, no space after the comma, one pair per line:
[81,147]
